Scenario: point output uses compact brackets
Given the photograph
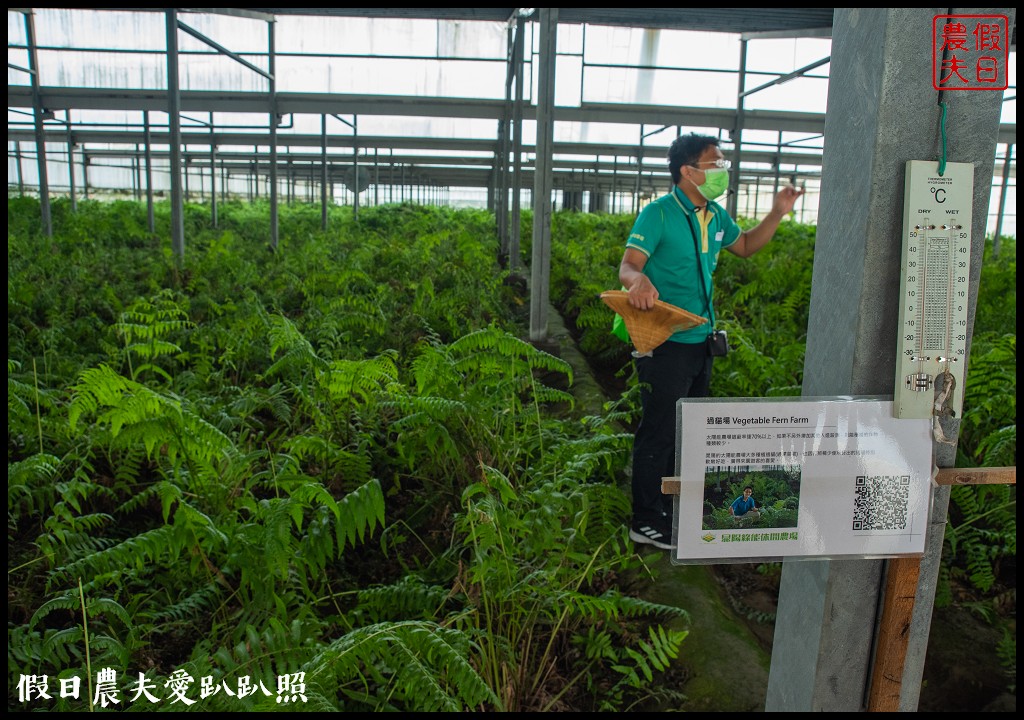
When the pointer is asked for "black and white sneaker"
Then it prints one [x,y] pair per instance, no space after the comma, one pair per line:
[651,533]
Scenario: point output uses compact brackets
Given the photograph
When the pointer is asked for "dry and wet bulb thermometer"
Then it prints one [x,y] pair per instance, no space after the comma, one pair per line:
[934,288]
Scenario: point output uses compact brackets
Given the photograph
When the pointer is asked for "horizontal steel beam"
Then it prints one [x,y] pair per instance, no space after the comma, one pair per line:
[405,105]
[587,160]
[587,154]
[566,178]
[411,106]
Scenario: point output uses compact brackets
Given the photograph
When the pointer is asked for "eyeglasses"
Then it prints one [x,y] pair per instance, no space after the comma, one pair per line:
[724,164]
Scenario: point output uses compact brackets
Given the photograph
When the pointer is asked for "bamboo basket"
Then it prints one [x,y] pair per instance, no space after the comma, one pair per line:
[650,328]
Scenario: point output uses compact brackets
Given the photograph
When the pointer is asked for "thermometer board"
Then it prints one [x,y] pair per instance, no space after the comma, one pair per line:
[934,287]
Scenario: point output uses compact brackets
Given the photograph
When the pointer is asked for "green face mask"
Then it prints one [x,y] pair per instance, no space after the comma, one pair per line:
[716,182]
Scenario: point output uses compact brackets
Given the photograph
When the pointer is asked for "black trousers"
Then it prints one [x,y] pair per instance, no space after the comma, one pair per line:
[674,371]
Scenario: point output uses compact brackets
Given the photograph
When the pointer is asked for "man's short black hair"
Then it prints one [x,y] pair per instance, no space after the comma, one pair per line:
[748,488]
[686,150]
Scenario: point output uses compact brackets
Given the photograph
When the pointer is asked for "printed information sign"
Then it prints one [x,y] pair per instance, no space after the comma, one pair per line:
[800,477]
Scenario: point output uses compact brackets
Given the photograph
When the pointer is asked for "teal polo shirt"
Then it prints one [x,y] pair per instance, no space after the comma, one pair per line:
[664,232]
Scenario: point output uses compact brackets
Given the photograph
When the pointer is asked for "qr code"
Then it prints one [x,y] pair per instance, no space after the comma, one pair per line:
[880,502]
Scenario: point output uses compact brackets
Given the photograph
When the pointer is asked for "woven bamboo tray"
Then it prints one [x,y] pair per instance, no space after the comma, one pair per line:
[650,328]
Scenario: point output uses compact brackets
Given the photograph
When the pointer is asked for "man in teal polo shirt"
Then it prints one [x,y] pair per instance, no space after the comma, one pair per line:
[671,255]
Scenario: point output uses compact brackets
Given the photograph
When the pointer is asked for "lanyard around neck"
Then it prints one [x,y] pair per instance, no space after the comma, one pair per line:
[700,270]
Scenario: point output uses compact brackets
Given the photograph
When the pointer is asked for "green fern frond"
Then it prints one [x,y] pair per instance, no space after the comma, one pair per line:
[652,656]
[61,545]
[90,523]
[277,649]
[71,603]
[433,368]
[65,646]
[353,467]
[1007,653]
[595,315]
[298,353]
[551,395]
[30,487]
[410,598]
[466,348]
[193,605]
[139,498]
[67,602]
[663,646]
[129,464]
[357,313]
[999,448]
[637,607]
[420,666]
[360,512]
[139,552]
[360,379]
[433,408]
[597,644]
[135,412]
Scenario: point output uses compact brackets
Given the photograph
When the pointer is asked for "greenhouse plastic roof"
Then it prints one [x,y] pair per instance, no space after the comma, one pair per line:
[405,78]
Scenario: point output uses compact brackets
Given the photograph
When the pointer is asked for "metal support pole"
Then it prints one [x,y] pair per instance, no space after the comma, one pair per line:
[213,175]
[732,201]
[501,167]
[323,172]
[85,175]
[542,182]
[800,202]
[71,163]
[173,110]
[778,163]
[517,145]
[271,60]
[1002,198]
[17,161]
[582,205]
[639,171]
[376,177]
[147,141]
[616,200]
[37,115]
[355,168]
[136,175]
[501,183]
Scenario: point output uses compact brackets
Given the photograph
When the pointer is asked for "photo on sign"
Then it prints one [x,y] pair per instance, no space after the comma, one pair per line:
[751,496]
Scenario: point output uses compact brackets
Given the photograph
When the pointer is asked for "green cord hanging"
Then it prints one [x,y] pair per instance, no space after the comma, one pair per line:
[942,127]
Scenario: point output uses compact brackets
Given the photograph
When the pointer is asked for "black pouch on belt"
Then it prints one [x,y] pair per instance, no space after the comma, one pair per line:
[718,344]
